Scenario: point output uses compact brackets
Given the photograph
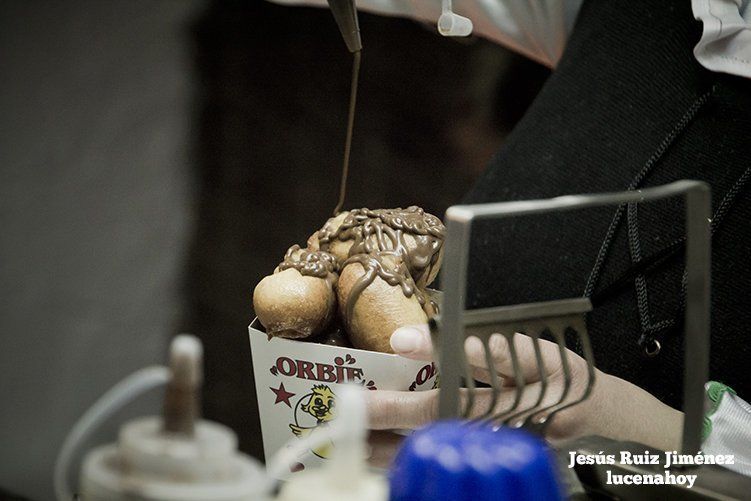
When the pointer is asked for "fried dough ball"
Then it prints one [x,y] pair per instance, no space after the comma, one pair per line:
[377,310]
[298,299]
[292,305]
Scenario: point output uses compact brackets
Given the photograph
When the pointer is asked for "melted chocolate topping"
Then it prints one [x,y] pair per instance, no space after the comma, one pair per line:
[379,230]
[311,263]
[378,265]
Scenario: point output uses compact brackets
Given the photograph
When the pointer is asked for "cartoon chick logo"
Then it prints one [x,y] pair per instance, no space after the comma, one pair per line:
[320,404]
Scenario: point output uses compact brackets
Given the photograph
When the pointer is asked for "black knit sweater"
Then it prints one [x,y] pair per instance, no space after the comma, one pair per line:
[627,100]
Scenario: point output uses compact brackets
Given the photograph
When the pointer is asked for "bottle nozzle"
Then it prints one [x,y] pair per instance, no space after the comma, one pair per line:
[345,475]
[345,13]
[348,462]
[182,395]
[453,25]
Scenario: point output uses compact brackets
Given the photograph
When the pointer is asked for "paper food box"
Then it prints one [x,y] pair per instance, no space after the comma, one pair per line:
[292,377]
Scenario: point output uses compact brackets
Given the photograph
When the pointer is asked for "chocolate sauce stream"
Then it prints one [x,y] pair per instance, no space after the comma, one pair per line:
[350,129]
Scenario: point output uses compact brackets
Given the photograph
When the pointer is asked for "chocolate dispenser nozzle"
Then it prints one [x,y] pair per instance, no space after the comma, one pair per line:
[182,395]
[345,14]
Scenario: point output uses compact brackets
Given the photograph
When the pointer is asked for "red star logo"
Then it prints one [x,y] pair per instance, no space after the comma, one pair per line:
[282,395]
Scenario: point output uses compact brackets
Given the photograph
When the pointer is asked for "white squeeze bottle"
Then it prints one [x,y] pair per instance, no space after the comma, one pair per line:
[345,477]
[172,457]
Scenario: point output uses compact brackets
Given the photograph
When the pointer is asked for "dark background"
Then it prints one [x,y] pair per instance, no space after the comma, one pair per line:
[158,158]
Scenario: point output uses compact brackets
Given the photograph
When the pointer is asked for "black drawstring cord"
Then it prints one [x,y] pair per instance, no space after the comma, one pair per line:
[644,266]
[650,338]
[607,243]
[640,281]
[673,324]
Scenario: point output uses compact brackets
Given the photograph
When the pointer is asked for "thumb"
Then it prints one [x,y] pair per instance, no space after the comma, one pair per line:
[413,341]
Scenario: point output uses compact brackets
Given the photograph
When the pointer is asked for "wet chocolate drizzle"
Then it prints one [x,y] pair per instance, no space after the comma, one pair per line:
[376,266]
[319,264]
[385,230]
[379,233]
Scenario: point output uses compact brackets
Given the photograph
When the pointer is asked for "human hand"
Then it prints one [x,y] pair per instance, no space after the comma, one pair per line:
[616,408]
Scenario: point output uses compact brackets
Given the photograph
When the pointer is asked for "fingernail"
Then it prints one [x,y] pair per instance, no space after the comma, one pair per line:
[405,339]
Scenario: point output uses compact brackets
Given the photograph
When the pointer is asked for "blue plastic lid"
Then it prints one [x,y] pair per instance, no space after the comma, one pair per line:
[459,461]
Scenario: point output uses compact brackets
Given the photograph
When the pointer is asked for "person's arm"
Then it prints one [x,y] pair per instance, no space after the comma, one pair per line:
[616,408]
[535,29]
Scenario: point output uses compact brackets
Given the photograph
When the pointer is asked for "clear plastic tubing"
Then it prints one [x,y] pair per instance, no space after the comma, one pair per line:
[175,456]
[116,398]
